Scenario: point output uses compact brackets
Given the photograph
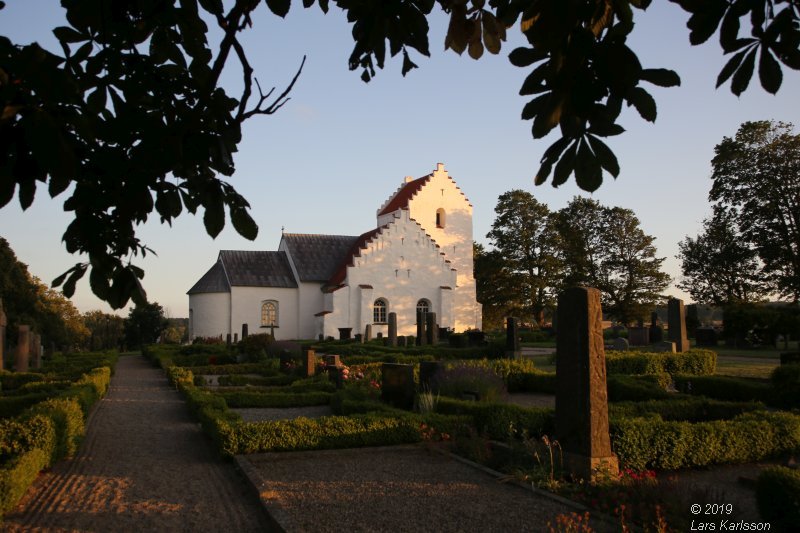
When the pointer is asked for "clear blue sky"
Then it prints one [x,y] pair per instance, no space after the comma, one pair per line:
[340,147]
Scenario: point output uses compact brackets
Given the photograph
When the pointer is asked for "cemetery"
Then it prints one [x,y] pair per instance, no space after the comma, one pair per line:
[618,421]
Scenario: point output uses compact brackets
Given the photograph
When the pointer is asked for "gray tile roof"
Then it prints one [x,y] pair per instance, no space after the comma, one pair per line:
[257,269]
[212,281]
[317,257]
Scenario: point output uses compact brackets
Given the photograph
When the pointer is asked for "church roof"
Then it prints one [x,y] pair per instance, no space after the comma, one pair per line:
[403,196]
[257,269]
[212,281]
[360,242]
[317,257]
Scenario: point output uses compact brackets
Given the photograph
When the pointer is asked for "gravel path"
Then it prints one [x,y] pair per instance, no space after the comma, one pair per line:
[144,466]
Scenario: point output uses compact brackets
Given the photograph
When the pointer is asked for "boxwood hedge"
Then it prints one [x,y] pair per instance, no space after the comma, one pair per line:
[696,362]
[778,497]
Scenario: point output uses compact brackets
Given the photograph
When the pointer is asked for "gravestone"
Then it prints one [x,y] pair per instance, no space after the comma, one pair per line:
[367,333]
[705,336]
[336,376]
[427,371]
[309,362]
[236,338]
[397,385]
[677,324]
[23,348]
[665,346]
[228,340]
[639,336]
[656,333]
[421,329]
[401,341]
[620,344]
[344,333]
[321,337]
[244,331]
[431,329]
[513,350]
[332,360]
[379,335]
[35,357]
[359,338]
[392,329]
[3,324]
[581,393]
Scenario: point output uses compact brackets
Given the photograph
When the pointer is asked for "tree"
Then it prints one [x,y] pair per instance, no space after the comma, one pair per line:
[527,244]
[756,175]
[107,331]
[144,324]
[135,100]
[494,291]
[719,266]
[605,248]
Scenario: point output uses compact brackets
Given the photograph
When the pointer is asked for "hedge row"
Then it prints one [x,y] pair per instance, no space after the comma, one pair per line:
[275,399]
[374,350]
[651,443]
[687,409]
[501,420]
[620,387]
[726,388]
[238,380]
[696,362]
[778,497]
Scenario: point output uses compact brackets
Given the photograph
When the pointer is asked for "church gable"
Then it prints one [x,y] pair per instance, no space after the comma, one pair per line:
[212,281]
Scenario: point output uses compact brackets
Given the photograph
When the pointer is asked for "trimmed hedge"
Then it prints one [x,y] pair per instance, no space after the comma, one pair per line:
[536,381]
[652,443]
[18,474]
[238,380]
[695,362]
[67,417]
[636,388]
[275,399]
[687,409]
[23,434]
[14,380]
[786,381]
[726,388]
[499,420]
[263,369]
[778,497]
[14,405]
[376,351]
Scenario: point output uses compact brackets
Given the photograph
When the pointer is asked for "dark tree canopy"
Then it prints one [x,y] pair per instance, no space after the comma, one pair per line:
[144,324]
[131,114]
[756,175]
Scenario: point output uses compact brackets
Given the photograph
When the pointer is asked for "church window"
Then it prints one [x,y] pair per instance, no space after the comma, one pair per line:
[379,311]
[269,313]
[423,306]
[440,218]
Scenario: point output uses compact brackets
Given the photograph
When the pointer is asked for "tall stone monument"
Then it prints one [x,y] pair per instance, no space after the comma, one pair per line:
[392,329]
[367,333]
[431,329]
[513,350]
[421,340]
[23,348]
[676,320]
[581,394]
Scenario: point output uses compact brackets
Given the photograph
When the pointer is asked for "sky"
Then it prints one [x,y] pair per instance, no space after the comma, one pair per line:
[340,147]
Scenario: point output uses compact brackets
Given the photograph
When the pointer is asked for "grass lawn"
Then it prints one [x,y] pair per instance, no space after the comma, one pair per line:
[761,351]
[746,368]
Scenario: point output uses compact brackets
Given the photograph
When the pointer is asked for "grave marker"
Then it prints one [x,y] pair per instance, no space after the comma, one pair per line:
[677,324]
[620,344]
[513,350]
[309,363]
[581,394]
[421,329]
[392,329]
[367,333]
[23,348]
[431,329]
[397,385]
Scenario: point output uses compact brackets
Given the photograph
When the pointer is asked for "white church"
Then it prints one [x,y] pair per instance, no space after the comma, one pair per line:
[418,258]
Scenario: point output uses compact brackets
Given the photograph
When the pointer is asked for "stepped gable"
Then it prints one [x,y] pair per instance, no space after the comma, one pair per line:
[214,280]
[317,257]
[361,242]
[403,195]
[257,269]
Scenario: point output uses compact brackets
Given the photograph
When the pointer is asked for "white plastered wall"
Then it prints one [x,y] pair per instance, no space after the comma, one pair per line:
[210,314]
[246,305]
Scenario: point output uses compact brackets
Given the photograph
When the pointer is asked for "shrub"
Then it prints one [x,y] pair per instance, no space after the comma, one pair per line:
[275,399]
[67,418]
[786,381]
[23,434]
[636,388]
[695,362]
[15,380]
[652,443]
[778,497]
[265,369]
[688,409]
[726,388]
[534,336]
[458,380]
[18,474]
[498,419]
[536,381]
[14,405]
[254,347]
[238,380]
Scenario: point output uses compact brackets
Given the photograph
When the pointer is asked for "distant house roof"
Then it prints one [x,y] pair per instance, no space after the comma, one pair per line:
[348,260]
[212,281]
[317,257]
[404,195]
[257,269]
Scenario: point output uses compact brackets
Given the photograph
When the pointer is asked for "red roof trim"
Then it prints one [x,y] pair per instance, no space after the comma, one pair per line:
[402,197]
[361,242]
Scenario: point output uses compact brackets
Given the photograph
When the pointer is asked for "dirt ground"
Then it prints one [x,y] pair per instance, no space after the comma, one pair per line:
[144,466]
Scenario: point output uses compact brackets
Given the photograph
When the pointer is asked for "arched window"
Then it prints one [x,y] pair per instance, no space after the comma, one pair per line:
[379,311]
[440,218]
[423,306]
[269,313]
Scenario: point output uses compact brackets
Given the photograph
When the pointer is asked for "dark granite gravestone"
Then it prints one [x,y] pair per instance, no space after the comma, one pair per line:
[513,350]
[379,335]
[367,333]
[656,333]
[236,338]
[581,393]
[392,329]
[321,337]
[427,371]
[431,329]
[309,362]
[344,333]
[411,340]
[359,338]
[332,360]
[23,349]
[336,376]
[638,336]
[244,331]
[677,324]
[397,385]
[228,340]
[421,340]
[620,344]
[665,346]
[705,336]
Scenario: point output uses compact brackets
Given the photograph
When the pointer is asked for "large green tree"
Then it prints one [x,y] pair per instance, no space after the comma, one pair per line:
[719,266]
[129,116]
[756,175]
[494,291]
[605,247]
[526,242]
[144,324]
